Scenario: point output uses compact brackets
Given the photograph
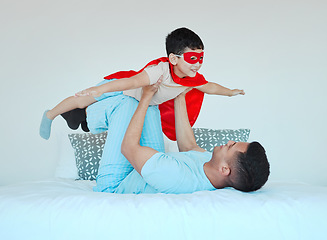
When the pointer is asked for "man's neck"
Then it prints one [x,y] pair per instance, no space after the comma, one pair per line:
[212,173]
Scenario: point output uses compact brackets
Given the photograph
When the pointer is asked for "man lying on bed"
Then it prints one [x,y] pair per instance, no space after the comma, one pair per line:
[240,165]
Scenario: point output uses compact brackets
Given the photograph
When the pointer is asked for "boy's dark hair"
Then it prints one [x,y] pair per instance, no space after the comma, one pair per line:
[182,38]
[252,168]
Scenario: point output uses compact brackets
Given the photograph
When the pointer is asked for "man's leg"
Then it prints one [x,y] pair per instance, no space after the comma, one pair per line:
[152,135]
[112,114]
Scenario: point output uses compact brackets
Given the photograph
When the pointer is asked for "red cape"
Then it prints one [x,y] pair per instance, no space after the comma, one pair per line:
[194,98]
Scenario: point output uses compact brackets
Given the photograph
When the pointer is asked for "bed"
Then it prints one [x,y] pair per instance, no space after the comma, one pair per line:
[65,208]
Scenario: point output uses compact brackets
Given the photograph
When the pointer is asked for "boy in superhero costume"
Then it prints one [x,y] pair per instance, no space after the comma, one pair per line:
[179,70]
[122,90]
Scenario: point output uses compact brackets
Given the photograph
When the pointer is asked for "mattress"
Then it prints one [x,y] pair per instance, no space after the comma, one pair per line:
[69,209]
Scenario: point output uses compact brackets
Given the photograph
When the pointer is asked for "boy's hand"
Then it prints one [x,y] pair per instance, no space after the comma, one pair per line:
[92,91]
[235,92]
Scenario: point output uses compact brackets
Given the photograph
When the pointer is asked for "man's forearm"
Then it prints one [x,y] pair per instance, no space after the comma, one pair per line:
[184,132]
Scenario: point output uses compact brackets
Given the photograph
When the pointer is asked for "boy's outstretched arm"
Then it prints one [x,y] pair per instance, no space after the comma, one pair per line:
[136,81]
[184,133]
[136,154]
[216,89]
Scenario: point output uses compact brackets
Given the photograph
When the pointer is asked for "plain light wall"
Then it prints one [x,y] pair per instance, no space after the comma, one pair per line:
[275,50]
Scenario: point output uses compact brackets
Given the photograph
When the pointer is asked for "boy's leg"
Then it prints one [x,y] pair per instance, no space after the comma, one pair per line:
[72,109]
[66,105]
[77,117]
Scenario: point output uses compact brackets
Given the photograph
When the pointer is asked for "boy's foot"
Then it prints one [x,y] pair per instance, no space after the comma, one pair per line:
[45,127]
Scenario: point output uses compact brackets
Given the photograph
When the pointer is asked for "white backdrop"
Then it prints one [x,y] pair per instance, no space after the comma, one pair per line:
[275,50]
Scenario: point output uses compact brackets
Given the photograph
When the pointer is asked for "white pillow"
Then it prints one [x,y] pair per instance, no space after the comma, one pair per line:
[66,167]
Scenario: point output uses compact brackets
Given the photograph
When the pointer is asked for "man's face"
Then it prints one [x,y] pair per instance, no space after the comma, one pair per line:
[227,152]
[189,63]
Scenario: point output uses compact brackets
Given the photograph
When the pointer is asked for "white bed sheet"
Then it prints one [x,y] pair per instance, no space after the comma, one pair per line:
[65,209]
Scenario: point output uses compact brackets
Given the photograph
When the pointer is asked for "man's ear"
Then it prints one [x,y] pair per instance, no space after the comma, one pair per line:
[225,170]
[172,59]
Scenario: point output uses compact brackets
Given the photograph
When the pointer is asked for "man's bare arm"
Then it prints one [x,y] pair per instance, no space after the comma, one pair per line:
[184,133]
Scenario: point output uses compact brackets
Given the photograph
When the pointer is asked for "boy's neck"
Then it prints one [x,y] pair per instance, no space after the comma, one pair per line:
[178,73]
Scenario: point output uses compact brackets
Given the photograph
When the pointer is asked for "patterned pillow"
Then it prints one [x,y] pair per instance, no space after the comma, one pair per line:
[88,149]
[209,138]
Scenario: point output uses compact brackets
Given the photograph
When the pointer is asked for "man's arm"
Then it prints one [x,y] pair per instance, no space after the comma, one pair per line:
[216,89]
[139,80]
[184,133]
[136,154]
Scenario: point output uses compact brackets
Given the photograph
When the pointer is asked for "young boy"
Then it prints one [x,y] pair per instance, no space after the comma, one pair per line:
[178,71]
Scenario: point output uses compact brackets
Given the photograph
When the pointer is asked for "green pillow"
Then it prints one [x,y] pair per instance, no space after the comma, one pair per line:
[210,138]
[88,147]
[88,150]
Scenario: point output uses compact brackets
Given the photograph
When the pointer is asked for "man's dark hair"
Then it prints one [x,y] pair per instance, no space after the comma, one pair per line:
[182,38]
[252,168]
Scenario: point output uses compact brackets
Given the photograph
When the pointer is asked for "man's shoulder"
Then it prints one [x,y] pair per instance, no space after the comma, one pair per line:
[190,154]
[196,152]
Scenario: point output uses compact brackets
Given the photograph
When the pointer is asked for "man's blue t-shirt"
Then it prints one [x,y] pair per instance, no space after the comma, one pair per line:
[180,172]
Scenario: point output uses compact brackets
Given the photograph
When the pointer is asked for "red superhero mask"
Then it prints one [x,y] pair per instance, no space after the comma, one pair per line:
[192,57]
